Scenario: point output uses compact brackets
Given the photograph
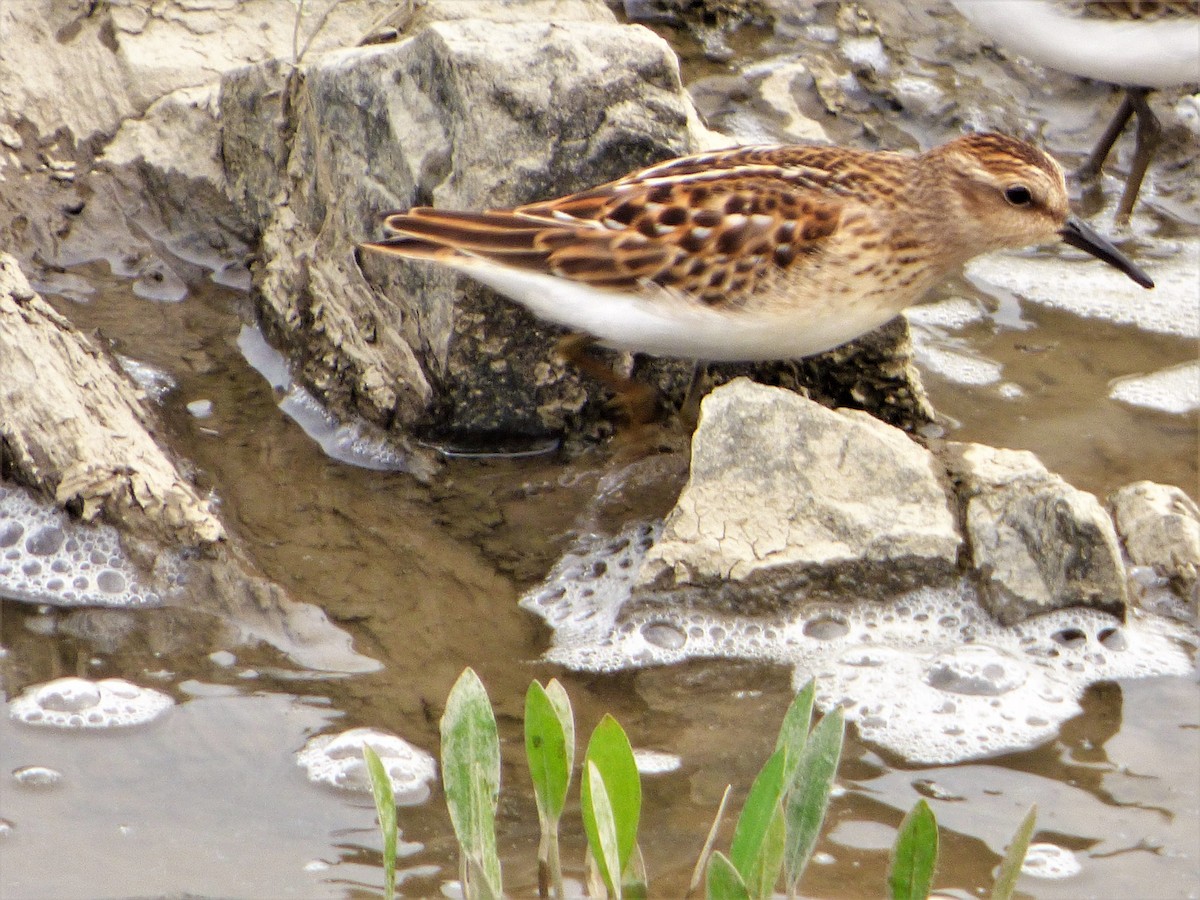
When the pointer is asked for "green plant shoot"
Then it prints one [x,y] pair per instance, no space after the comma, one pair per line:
[758,839]
[550,750]
[385,809]
[1010,868]
[808,795]
[471,777]
[599,821]
[723,881]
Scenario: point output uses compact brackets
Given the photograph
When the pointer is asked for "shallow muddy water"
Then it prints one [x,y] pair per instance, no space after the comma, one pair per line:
[209,800]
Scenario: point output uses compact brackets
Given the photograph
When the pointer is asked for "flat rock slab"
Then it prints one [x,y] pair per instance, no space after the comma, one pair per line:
[1036,543]
[784,491]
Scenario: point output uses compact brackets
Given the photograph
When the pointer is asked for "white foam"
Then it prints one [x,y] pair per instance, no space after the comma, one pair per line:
[46,557]
[1092,290]
[1051,862]
[1173,390]
[337,760]
[929,675]
[952,314]
[656,762]
[78,703]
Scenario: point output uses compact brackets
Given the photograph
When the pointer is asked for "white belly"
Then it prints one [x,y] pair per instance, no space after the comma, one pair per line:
[666,325]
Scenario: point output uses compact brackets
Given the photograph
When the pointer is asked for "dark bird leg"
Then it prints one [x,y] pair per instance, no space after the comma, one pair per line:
[1146,141]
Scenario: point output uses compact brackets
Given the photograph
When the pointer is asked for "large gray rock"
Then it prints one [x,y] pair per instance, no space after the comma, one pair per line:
[1160,527]
[785,493]
[466,113]
[1036,543]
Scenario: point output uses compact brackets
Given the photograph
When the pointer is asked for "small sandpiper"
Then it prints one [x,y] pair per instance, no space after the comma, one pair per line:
[757,253]
[1137,44]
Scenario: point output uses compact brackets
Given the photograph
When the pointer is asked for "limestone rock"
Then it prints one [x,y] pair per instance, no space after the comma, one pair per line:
[784,492]
[89,66]
[1160,527]
[1036,543]
[465,113]
[72,425]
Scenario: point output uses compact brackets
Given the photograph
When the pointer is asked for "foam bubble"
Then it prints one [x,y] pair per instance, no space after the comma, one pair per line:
[953,314]
[39,777]
[46,557]
[337,760]
[78,703]
[929,675]
[655,762]
[1174,390]
[1050,861]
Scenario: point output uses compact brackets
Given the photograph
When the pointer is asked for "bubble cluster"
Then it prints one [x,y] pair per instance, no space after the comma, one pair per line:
[337,760]
[45,557]
[929,675]
[78,703]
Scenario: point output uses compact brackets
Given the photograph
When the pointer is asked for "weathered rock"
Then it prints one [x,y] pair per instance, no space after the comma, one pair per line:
[785,493]
[466,113]
[1160,527]
[86,67]
[1036,543]
[73,425]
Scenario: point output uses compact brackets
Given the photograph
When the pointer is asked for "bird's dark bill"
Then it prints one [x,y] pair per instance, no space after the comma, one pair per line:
[1077,234]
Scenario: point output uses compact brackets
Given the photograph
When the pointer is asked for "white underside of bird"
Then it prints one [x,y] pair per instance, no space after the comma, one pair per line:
[663,323]
[1135,53]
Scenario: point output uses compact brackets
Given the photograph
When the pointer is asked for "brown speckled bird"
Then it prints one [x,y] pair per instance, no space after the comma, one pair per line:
[757,253]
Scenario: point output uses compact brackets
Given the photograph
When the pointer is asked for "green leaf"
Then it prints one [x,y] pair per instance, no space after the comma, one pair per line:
[609,749]
[762,803]
[471,775]
[1010,868]
[915,855]
[385,808]
[549,747]
[808,796]
[723,881]
[600,825]
[793,732]
[764,873]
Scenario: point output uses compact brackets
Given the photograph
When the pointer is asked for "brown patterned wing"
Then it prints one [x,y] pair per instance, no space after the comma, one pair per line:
[717,234]
[716,238]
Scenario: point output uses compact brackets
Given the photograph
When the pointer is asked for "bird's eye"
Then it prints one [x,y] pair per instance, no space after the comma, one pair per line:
[1018,195]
